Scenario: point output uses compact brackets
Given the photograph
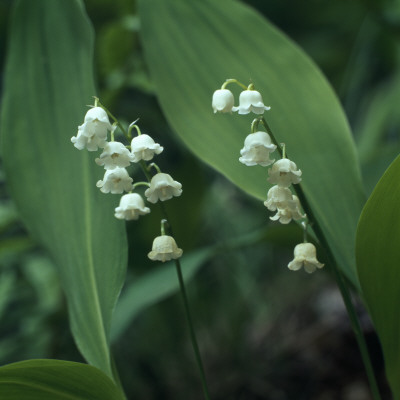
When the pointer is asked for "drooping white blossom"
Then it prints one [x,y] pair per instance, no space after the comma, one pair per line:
[289,210]
[92,134]
[97,122]
[90,142]
[143,147]
[250,101]
[115,181]
[278,197]
[164,249]
[114,155]
[131,206]
[162,187]
[256,150]
[305,254]
[284,173]
[222,101]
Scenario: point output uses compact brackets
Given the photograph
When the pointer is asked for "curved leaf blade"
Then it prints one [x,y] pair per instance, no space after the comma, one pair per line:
[209,42]
[378,265]
[153,287]
[48,81]
[55,379]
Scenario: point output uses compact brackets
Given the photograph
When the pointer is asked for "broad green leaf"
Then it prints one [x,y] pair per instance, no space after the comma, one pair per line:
[153,287]
[48,82]
[55,379]
[195,45]
[378,264]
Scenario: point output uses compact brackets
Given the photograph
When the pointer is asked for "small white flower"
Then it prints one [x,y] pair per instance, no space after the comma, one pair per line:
[97,122]
[222,101]
[290,210]
[91,142]
[131,206]
[143,147]
[278,197]
[115,181]
[92,134]
[251,101]
[305,255]
[284,173]
[257,147]
[164,249]
[115,154]
[162,187]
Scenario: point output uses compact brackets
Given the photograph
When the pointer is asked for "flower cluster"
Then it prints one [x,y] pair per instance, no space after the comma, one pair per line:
[284,173]
[115,158]
[249,100]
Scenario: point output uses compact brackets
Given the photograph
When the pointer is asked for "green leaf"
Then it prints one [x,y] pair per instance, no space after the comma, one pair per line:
[55,379]
[195,46]
[48,82]
[378,262]
[153,287]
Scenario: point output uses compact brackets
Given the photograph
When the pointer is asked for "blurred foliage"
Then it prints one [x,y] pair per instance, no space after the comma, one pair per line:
[262,329]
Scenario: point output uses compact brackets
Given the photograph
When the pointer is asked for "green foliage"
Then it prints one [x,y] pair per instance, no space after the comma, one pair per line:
[378,260]
[212,41]
[154,287]
[48,81]
[54,379]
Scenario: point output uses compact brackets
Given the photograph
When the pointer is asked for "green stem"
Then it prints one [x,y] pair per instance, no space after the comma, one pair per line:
[228,81]
[131,126]
[341,282]
[114,119]
[355,324]
[193,338]
[191,330]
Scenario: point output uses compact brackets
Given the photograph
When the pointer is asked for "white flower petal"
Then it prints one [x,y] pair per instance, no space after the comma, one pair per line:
[250,101]
[164,249]
[115,181]
[222,101]
[115,154]
[143,147]
[305,254]
[256,150]
[284,173]
[131,206]
[162,187]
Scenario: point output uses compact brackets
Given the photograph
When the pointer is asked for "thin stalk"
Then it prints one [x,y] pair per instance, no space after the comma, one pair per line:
[193,338]
[340,281]
[191,330]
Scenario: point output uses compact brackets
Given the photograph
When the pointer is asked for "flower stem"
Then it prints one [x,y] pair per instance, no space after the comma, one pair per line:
[340,281]
[191,330]
[114,119]
[166,225]
[228,81]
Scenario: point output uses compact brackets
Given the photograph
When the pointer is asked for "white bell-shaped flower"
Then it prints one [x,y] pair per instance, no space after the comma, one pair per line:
[131,206]
[256,150]
[97,122]
[143,147]
[284,173]
[278,197]
[251,101]
[222,101]
[162,187]
[289,211]
[90,142]
[92,134]
[115,181]
[164,249]
[114,155]
[305,254]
